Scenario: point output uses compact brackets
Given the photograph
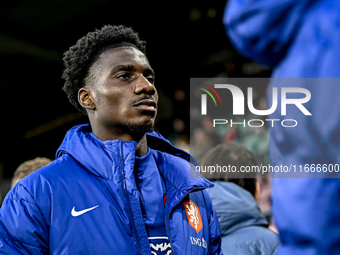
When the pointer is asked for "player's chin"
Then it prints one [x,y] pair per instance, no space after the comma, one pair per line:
[146,119]
[141,129]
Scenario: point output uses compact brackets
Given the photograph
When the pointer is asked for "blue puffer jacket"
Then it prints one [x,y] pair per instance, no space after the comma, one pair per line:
[91,174]
[299,39]
[243,227]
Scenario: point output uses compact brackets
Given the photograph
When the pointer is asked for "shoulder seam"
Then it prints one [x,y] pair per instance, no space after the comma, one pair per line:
[34,202]
[15,199]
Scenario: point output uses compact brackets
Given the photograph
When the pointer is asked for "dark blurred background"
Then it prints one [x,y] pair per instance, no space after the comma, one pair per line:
[184,40]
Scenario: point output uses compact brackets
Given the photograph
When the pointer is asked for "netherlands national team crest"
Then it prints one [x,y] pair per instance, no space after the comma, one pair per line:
[193,215]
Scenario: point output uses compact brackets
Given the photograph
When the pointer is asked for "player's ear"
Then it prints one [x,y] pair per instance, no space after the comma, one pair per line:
[85,98]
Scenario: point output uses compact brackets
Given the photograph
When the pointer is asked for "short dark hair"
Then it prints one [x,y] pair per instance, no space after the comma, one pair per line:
[80,57]
[233,155]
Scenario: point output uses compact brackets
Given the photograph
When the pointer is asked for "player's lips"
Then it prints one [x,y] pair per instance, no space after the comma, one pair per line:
[146,104]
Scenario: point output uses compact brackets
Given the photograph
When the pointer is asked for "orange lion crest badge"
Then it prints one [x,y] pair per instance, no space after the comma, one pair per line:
[193,215]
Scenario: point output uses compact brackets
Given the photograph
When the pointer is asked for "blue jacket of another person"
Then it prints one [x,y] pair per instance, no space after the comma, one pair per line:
[299,39]
[243,227]
[87,202]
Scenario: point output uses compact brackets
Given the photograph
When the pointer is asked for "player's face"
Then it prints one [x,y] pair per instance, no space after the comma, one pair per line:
[125,96]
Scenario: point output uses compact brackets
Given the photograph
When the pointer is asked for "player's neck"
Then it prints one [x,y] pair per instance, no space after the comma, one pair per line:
[141,148]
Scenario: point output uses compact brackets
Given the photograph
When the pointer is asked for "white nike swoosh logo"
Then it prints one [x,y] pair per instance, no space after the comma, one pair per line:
[74,213]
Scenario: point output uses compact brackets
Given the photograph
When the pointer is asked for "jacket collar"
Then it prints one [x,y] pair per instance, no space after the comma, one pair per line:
[105,158]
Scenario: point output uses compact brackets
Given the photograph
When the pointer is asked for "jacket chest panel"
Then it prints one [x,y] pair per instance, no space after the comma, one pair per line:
[98,208]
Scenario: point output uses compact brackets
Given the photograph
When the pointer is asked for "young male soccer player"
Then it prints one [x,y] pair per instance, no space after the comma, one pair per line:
[115,187]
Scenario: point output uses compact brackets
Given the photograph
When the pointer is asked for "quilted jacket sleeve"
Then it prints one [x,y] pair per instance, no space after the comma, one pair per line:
[22,227]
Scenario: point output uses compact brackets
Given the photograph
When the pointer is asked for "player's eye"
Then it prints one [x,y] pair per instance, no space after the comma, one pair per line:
[151,79]
[124,76]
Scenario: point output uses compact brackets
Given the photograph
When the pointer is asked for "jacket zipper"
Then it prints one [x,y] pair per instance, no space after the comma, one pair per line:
[127,199]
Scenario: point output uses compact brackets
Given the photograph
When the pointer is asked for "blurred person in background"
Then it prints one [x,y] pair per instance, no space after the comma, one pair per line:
[28,167]
[299,39]
[22,171]
[244,228]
